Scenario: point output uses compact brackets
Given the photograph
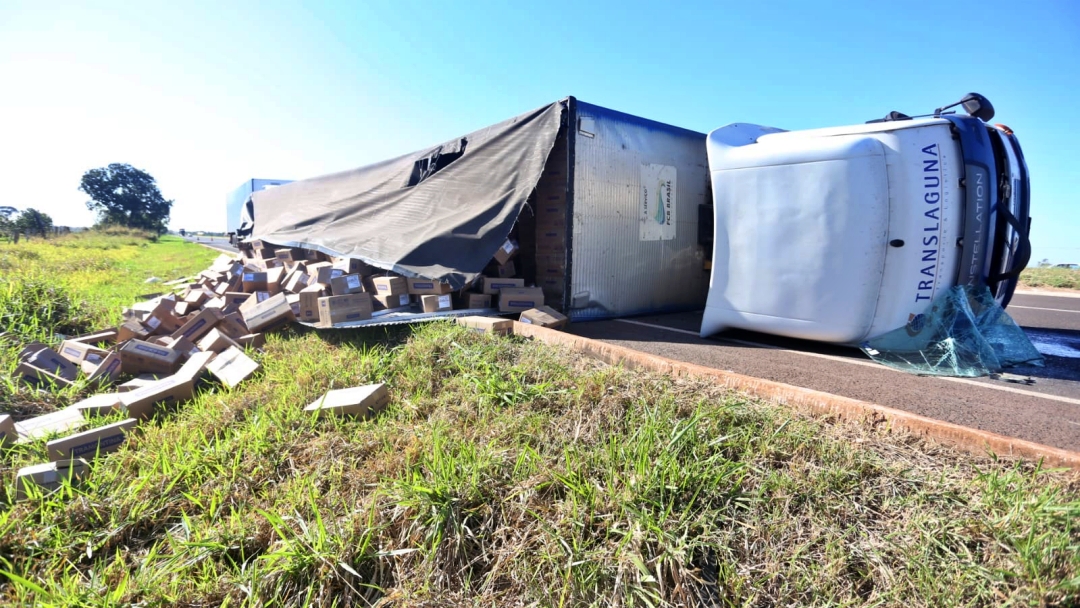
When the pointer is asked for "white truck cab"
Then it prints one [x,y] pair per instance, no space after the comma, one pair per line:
[843,234]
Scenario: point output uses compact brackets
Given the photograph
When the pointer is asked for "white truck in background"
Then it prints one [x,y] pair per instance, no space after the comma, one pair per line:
[842,234]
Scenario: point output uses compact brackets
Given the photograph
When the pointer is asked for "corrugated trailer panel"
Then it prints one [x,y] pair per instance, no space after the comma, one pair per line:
[637,185]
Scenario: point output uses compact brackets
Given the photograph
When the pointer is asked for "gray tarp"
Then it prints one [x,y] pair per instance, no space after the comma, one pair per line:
[466,196]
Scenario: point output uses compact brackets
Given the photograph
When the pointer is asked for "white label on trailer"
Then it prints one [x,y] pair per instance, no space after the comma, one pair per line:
[658,187]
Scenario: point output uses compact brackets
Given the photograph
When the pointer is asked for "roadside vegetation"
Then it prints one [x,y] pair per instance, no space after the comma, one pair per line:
[507,472]
[1058,278]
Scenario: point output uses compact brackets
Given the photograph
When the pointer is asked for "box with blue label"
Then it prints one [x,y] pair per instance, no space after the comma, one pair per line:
[344,309]
[427,287]
[520,299]
[138,357]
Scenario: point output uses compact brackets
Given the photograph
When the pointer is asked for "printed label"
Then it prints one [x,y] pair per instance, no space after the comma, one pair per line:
[382,287]
[72,351]
[525,320]
[521,303]
[658,188]
[194,328]
[263,296]
[249,277]
[352,281]
[444,301]
[153,322]
[335,273]
[404,300]
[501,285]
[423,285]
[96,445]
[508,247]
[149,349]
[352,315]
[93,358]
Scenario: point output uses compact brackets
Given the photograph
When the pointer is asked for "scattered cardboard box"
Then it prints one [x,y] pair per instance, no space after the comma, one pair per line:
[506,271]
[48,477]
[99,337]
[138,357]
[39,378]
[60,421]
[506,252]
[254,281]
[108,370]
[251,340]
[426,287]
[199,325]
[382,302]
[390,286]
[102,404]
[215,341]
[471,300]
[436,303]
[294,303]
[520,299]
[491,325]
[346,284]
[493,285]
[92,443]
[7,430]
[51,361]
[232,367]
[544,316]
[181,310]
[297,281]
[344,309]
[78,352]
[309,303]
[356,401]
[140,402]
[270,313]
[321,272]
[232,325]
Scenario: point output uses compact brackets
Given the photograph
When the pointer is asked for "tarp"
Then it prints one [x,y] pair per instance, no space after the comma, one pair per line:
[439,213]
[965,333]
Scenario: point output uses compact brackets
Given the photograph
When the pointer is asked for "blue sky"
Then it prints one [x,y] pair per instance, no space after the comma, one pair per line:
[205,95]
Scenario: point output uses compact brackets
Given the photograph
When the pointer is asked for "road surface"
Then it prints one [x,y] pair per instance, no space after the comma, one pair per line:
[216,242]
[1045,411]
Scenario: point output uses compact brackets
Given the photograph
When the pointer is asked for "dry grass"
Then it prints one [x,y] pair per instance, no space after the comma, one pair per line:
[1058,278]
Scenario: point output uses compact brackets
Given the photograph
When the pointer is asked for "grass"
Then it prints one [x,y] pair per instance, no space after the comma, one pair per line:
[1060,278]
[507,472]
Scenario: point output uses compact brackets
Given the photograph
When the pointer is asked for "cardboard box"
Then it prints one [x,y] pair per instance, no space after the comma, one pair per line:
[344,309]
[232,367]
[138,382]
[186,347]
[382,302]
[321,272]
[506,271]
[289,255]
[89,444]
[351,266]
[294,303]
[274,277]
[489,325]
[199,325]
[544,316]
[234,300]
[492,285]
[138,357]
[551,240]
[346,284]
[28,351]
[216,302]
[251,340]
[296,282]
[426,287]
[436,303]
[268,314]
[132,330]
[106,336]
[196,297]
[108,370]
[309,303]
[48,477]
[215,341]
[470,300]
[181,310]
[253,300]
[7,430]
[103,404]
[507,251]
[232,325]
[78,352]
[254,281]
[390,286]
[51,361]
[355,401]
[60,421]
[520,299]
[167,391]
[193,368]
[39,378]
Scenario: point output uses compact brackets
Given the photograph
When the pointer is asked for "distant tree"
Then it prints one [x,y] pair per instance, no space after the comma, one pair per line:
[32,221]
[125,196]
[7,223]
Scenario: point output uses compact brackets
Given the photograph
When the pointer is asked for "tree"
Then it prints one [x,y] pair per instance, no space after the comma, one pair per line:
[7,224]
[125,196]
[32,221]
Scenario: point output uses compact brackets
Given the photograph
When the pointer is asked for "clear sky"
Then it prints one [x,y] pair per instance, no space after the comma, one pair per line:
[204,95]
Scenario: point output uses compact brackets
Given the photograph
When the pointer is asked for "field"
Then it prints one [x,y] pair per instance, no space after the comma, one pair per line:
[1058,278]
[506,472]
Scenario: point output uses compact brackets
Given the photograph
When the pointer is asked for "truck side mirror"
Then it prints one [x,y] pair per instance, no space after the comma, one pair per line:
[978,106]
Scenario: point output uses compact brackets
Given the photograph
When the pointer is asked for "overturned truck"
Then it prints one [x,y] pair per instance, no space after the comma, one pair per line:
[602,208]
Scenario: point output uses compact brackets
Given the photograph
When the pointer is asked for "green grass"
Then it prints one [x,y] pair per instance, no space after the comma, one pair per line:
[1062,278]
[507,472]
[76,284]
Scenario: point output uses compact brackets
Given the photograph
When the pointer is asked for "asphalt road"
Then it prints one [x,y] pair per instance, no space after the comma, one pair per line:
[1037,404]
[219,243]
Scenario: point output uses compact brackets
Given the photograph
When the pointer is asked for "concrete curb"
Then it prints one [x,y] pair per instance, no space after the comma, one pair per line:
[814,402]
